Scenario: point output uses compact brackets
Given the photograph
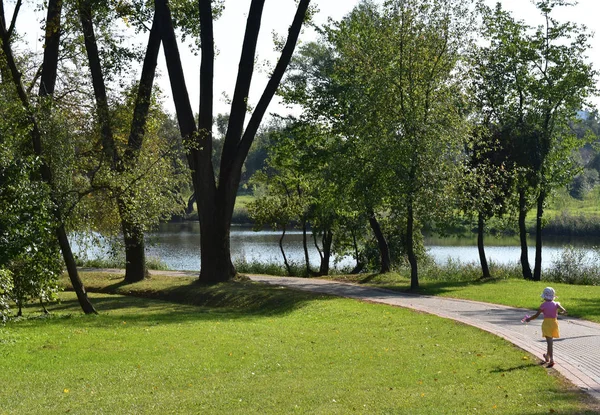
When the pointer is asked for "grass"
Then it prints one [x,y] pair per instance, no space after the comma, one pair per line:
[582,301]
[295,353]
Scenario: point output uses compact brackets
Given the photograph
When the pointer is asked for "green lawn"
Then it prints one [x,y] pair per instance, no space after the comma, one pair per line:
[582,301]
[271,351]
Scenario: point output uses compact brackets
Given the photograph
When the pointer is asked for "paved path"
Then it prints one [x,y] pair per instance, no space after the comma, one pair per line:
[577,351]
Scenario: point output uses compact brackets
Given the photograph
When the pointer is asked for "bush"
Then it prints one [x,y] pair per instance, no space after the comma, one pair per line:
[575,266]
[5,290]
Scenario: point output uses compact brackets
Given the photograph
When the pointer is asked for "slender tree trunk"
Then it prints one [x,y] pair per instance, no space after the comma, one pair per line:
[133,234]
[318,247]
[410,247]
[48,80]
[523,236]
[327,241]
[384,250]
[69,259]
[485,270]
[285,261]
[537,270]
[359,265]
[305,246]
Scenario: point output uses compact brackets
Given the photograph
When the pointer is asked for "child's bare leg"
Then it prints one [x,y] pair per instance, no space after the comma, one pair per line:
[550,342]
[550,353]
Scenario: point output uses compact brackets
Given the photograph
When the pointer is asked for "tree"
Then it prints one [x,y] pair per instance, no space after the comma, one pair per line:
[488,183]
[402,103]
[535,82]
[46,91]
[121,163]
[216,195]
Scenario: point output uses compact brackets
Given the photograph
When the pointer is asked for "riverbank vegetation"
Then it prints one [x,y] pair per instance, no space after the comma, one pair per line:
[223,347]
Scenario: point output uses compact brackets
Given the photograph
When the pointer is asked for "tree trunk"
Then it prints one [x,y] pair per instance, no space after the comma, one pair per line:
[384,250]
[359,265]
[190,204]
[215,204]
[537,270]
[523,236]
[285,261]
[485,270]
[325,259]
[135,253]
[305,246]
[78,287]
[133,234]
[48,80]
[410,247]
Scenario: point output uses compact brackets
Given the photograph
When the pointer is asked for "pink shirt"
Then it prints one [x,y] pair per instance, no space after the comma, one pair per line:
[550,309]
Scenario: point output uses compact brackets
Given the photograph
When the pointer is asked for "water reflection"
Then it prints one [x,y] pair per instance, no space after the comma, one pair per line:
[178,246]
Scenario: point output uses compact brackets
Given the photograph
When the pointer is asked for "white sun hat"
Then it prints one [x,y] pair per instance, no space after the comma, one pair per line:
[548,294]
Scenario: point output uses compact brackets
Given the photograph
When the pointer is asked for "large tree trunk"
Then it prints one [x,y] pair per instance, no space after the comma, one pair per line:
[215,204]
[384,250]
[410,247]
[485,270]
[523,235]
[537,270]
[48,80]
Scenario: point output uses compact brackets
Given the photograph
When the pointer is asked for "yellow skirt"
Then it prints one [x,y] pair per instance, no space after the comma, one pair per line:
[550,328]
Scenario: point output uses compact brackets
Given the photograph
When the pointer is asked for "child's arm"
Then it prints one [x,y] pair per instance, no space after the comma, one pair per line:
[561,309]
[533,317]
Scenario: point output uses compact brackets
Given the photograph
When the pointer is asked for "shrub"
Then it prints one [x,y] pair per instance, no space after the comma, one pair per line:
[575,266]
[5,290]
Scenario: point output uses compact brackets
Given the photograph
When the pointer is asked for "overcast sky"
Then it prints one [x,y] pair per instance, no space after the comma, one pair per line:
[278,15]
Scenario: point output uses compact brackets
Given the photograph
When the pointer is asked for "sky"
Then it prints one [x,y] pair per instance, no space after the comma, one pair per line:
[277,16]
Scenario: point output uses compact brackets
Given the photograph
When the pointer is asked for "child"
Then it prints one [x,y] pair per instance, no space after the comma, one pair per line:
[550,309]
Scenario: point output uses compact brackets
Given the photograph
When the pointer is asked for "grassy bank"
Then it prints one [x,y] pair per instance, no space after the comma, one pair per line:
[309,354]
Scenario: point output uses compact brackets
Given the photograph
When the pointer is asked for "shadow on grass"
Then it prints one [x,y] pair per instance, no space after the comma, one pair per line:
[514,368]
[588,307]
[237,299]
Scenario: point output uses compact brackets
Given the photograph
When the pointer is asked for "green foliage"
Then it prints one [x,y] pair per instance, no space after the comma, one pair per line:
[28,246]
[575,266]
[6,286]
[149,187]
[583,183]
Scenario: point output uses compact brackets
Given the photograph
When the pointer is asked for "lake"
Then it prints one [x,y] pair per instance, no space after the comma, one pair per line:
[177,245]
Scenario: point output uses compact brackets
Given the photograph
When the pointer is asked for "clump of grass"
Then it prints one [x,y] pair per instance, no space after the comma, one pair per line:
[258,267]
[152,262]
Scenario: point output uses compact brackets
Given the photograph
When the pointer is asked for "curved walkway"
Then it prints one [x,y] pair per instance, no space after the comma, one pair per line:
[577,351]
